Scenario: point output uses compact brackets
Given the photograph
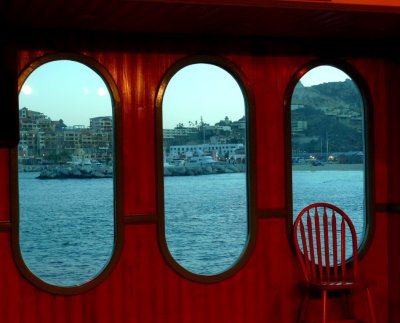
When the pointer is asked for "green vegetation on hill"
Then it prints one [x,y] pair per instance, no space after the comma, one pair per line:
[344,95]
[333,115]
[340,137]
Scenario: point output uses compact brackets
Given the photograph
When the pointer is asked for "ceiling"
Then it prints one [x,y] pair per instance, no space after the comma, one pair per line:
[272,19]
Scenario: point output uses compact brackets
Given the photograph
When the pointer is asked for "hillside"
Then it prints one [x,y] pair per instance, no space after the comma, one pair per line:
[344,95]
[332,113]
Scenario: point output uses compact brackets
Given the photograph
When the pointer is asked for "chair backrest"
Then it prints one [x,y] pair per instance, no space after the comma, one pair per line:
[324,237]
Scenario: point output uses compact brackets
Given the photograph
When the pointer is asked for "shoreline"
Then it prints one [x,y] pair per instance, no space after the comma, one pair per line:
[332,167]
[204,169]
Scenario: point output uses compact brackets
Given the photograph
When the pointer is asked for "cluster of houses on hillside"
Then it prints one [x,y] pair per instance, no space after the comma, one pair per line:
[224,141]
[44,140]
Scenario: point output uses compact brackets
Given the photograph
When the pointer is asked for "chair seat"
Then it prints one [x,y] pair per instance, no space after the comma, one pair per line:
[335,321]
[332,285]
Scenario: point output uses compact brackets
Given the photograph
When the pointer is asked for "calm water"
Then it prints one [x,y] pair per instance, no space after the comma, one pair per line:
[342,188]
[208,234]
[67,226]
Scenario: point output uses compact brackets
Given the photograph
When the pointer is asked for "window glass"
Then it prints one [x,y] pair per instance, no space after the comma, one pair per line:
[328,150]
[65,173]
[205,174]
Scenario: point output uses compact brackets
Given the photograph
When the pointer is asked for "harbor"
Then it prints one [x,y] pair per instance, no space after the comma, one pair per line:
[192,169]
[76,171]
[81,170]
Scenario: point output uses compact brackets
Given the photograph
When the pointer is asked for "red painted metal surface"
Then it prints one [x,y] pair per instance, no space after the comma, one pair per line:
[143,288]
[4,186]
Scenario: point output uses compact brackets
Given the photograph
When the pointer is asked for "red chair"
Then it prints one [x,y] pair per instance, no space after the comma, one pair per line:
[321,234]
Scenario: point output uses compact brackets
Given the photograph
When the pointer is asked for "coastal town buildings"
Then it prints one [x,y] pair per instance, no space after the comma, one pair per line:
[217,151]
[224,140]
[47,141]
[44,140]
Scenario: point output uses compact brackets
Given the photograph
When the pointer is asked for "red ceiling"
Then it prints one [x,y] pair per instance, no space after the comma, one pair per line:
[271,18]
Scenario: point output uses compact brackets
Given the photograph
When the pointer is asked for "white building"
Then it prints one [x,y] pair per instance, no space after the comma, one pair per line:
[214,149]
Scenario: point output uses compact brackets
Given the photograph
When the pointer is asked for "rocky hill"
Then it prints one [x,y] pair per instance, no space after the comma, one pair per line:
[332,113]
[343,95]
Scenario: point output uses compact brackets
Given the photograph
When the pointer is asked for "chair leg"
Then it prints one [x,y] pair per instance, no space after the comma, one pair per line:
[345,301]
[370,305]
[324,296]
[303,306]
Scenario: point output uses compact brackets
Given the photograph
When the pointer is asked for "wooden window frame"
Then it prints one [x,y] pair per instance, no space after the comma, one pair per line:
[239,77]
[368,137]
[117,185]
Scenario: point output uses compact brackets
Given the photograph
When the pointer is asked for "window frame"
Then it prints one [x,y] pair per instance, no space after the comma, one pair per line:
[240,78]
[368,138]
[117,183]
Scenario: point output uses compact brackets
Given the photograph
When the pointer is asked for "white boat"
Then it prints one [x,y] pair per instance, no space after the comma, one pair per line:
[200,160]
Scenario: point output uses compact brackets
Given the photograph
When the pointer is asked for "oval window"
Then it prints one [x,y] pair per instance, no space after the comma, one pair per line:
[65,173]
[205,175]
[328,144]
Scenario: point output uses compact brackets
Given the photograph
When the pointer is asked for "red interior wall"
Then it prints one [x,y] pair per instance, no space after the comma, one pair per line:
[142,286]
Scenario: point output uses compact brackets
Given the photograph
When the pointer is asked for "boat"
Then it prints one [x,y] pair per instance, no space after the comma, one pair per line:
[200,160]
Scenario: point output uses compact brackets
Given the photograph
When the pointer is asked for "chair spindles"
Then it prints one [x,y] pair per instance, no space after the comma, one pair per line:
[326,245]
[343,248]
[318,242]
[330,275]
[311,245]
[306,263]
[334,244]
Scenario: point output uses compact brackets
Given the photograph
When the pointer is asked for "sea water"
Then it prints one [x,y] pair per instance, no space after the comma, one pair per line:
[206,221]
[67,226]
[344,189]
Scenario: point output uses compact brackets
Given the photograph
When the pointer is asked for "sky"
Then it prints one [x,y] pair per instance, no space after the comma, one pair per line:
[210,92]
[73,92]
[323,74]
[202,91]
[66,90]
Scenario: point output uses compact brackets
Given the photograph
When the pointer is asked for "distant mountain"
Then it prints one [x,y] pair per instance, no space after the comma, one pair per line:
[343,95]
[333,113]
[339,136]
